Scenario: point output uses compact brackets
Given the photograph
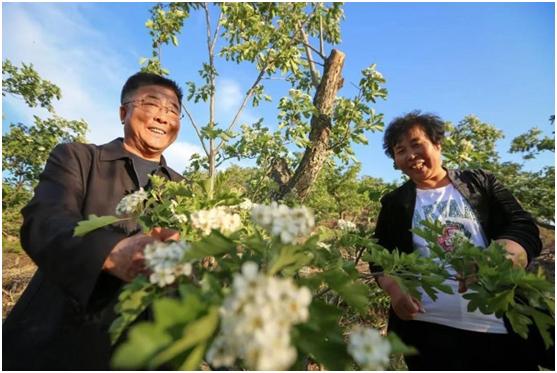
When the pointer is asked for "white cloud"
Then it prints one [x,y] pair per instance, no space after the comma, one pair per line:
[230,95]
[178,154]
[64,48]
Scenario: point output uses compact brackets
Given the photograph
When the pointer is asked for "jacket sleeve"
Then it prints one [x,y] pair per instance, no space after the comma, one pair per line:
[72,263]
[518,225]
[382,231]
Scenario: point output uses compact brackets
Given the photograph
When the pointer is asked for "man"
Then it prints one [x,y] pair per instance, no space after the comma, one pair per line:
[61,321]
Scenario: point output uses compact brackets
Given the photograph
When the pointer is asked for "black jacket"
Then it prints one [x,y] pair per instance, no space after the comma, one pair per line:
[498,212]
[61,320]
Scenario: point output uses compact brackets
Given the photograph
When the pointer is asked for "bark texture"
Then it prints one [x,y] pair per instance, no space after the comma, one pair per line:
[318,151]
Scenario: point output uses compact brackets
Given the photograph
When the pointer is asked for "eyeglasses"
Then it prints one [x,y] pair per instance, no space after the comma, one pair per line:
[153,106]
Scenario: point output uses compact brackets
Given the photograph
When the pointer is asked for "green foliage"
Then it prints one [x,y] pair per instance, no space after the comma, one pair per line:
[25,149]
[93,223]
[164,27]
[27,83]
[499,287]
[132,301]
[532,143]
[471,144]
[186,317]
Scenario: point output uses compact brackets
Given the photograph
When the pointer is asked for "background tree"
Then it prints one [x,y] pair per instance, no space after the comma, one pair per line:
[25,148]
[287,40]
[472,144]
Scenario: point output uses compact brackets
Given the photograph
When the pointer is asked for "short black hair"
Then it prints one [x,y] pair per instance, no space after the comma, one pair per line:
[142,79]
[431,124]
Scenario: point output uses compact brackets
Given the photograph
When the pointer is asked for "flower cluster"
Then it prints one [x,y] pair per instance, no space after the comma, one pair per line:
[283,221]
[246,204]
[256,319]
[217,218]
[180,218]
[131,204]
[164,259]
[369,349]
[346,225]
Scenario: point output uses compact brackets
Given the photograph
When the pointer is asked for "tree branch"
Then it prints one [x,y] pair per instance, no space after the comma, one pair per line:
[216,34]
[321,44]
[314,74]
[195,127]
[323,57]
[244,102]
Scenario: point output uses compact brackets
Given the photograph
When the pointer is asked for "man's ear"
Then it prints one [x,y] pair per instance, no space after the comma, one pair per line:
[123,113]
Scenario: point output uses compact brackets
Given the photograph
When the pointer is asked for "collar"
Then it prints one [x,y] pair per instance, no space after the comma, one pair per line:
[115,150]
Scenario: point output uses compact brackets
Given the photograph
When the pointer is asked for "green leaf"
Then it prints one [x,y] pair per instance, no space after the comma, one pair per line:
[144,341]
[196,332]
[321,337]
[194,359]
[519,322]
[355,293]
[94,222]
[214,244]
[169,311]
[398,346]
[290,258]
[132,301]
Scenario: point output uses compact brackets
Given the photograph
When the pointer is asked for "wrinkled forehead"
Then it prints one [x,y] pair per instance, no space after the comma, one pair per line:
[156,92]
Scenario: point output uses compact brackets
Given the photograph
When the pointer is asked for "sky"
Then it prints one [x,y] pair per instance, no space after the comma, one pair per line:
[493,60]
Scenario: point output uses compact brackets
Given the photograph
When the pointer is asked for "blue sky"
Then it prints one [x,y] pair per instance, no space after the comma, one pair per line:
[494,60]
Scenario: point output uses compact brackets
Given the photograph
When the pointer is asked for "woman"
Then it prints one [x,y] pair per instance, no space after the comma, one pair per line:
[471,202]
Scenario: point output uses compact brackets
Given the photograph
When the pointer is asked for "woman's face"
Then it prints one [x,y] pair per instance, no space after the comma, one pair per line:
[419,158]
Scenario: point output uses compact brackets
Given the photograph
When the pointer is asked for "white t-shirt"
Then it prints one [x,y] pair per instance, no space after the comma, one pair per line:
[447,205]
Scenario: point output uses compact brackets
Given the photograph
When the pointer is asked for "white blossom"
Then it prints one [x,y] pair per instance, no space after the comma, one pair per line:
[180,218]
[217,218]
[132,203]
[284,222]
[346,225]
[164,259]
[246,204]
[256,319]
[369,349]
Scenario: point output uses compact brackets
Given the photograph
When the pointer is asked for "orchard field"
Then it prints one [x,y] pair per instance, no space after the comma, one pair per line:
[300,218]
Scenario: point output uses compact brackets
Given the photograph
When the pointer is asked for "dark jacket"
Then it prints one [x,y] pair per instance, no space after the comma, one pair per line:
[498,212]
[61,320]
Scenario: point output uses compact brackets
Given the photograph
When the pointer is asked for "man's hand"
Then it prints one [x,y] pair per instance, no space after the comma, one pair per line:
[126,259]
[163,234]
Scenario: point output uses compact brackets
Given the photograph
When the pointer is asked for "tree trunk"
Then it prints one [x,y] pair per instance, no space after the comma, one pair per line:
[318,151]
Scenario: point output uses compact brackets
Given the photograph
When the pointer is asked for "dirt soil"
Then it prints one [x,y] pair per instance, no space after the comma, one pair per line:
[17,270]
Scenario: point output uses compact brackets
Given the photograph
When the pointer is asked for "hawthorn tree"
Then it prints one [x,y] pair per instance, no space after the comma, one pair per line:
[472,142]
[293,41]
[25,148]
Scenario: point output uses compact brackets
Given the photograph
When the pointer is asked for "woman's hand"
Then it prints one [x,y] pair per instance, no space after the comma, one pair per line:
[405,306]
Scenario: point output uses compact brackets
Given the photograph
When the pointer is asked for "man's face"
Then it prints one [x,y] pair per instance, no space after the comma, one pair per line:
[417,156]
[151,117]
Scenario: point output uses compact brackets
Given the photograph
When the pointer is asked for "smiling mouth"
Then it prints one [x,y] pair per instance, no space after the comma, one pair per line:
[417,166]
[157,131]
